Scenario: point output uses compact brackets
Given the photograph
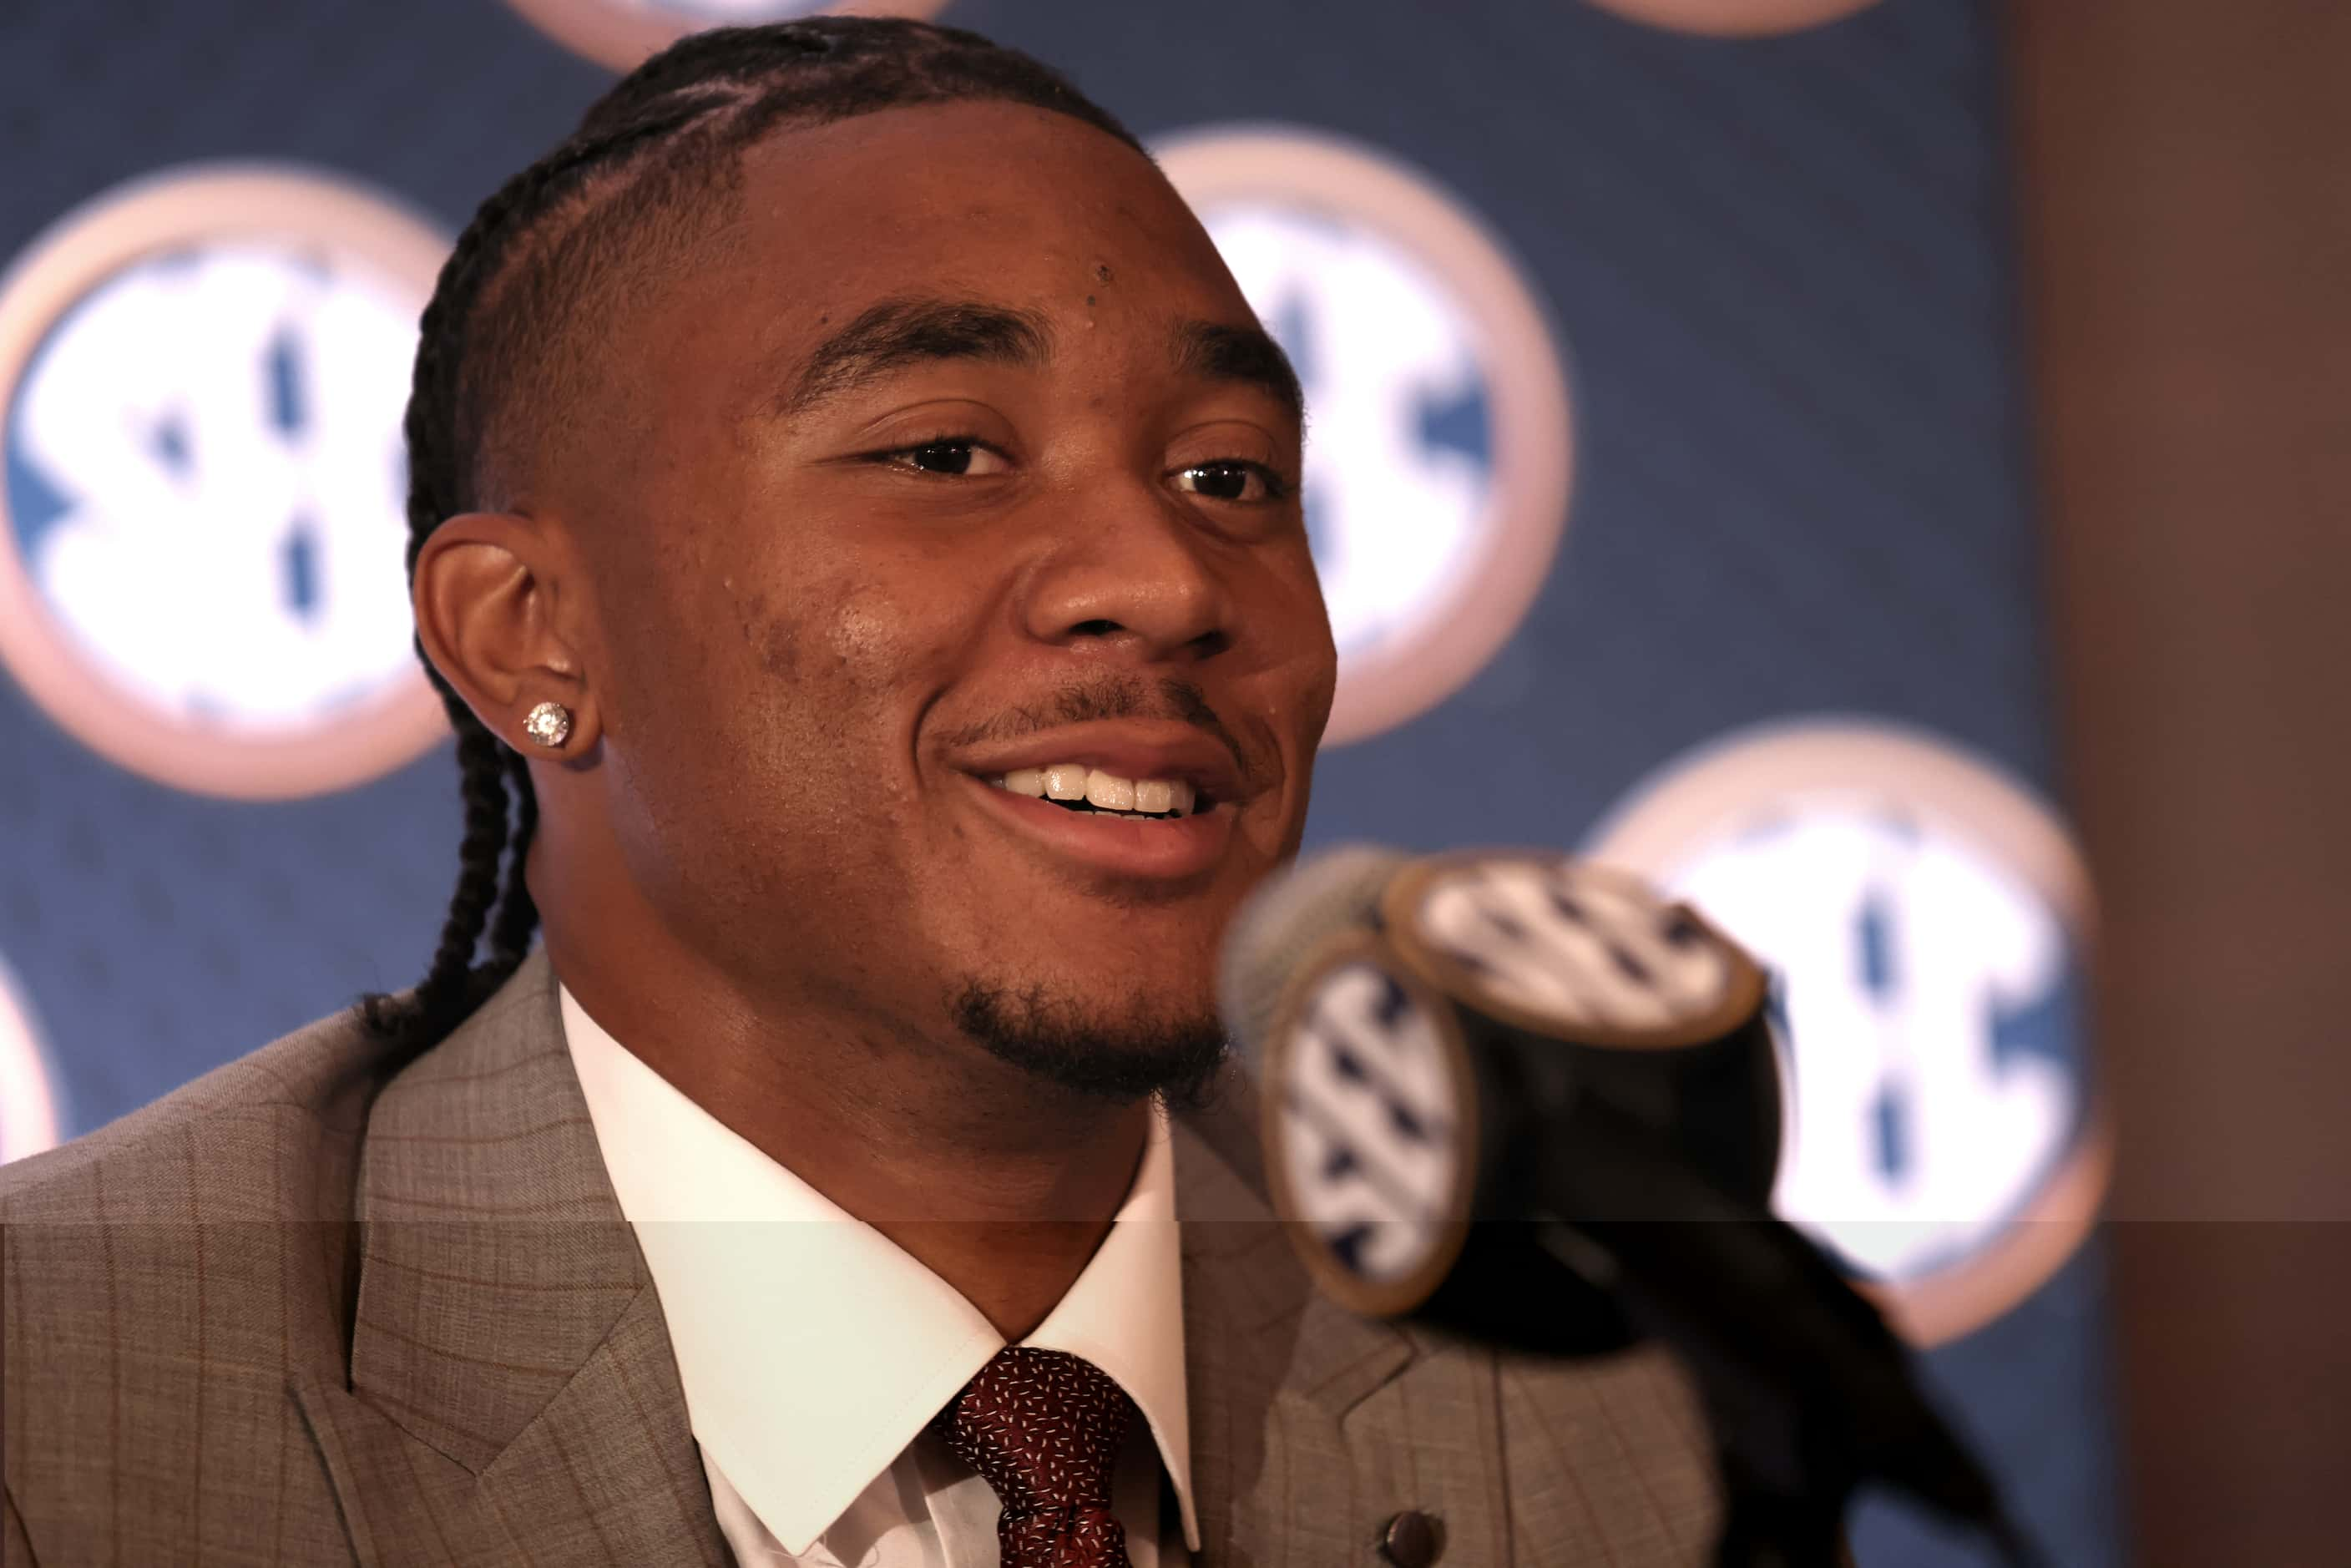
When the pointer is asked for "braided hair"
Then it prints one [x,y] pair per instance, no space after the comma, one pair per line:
[650,156]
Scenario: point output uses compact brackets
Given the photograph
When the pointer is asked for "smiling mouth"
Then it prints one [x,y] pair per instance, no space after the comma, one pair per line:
[1096,791]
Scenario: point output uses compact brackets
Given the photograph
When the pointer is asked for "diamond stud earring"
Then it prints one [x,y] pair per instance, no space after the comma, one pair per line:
[548,724]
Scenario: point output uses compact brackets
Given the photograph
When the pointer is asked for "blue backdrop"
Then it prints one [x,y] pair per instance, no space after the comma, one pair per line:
[1703,414]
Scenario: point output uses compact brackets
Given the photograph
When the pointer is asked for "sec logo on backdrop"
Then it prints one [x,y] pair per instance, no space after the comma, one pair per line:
[623,33]
[1926,923]
[201,381]
[28,1103]
[1734,18]
[1438,457]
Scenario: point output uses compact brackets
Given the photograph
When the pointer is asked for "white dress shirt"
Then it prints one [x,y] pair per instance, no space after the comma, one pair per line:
[813,1351]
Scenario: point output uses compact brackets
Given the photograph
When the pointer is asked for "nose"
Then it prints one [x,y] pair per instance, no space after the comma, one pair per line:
[1133,577]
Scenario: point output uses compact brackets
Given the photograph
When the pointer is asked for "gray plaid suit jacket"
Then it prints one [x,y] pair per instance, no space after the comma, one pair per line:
[321,1307]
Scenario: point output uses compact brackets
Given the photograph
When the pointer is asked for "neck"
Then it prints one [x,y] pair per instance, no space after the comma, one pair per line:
[999,1183]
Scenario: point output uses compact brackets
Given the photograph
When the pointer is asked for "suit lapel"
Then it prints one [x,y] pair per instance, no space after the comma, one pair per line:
[513,1396]
[1239,1250]
[1272,1367]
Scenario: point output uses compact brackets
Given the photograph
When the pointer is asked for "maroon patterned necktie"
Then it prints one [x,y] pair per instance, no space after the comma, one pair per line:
[1044,1428]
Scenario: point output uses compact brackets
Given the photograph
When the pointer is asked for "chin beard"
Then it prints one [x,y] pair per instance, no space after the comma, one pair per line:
[1118,1056]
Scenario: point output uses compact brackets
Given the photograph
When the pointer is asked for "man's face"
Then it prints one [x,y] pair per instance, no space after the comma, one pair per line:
[961,460]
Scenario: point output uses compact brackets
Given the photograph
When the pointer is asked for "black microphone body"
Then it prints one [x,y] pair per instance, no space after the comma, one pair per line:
[1532,1104]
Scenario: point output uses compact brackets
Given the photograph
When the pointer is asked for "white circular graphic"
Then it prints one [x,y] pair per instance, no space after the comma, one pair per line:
[29,1117]
[624,33]
[1734,18]
[1366,1093]
[203,513]
[1439,452]
[1579,949]
[1926,922]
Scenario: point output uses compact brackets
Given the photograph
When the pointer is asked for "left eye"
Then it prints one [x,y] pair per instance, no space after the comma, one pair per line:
[953,457]
[1229,481]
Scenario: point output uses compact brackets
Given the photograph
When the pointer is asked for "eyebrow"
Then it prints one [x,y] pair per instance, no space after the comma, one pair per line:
[901,332]
[896,333]
[1215,352]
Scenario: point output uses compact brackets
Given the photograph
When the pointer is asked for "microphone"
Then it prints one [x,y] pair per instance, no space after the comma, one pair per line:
[1513,1036]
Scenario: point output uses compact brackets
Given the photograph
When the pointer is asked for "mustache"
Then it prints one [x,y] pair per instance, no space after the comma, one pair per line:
[1111,695]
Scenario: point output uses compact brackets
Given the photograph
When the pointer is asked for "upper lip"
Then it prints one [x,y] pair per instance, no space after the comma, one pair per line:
[1130,748]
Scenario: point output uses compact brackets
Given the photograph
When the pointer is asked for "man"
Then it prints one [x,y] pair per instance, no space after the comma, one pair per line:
[856,515]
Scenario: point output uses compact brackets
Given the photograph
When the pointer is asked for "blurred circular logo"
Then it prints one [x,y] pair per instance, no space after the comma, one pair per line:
[28,1104]
[624,33]
[201,381]
[1437,462]
[1372,1149]
[1734,18]
[1925,920]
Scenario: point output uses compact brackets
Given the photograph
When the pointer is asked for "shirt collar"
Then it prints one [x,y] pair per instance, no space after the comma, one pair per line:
[811,1353]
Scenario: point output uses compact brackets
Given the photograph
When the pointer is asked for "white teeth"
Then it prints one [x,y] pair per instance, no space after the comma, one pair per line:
[1104,792]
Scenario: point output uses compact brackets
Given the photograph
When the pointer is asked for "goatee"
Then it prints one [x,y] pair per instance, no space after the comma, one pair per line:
[1118,1058]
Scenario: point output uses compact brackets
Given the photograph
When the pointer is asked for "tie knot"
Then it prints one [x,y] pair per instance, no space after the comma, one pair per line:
[1044,1428]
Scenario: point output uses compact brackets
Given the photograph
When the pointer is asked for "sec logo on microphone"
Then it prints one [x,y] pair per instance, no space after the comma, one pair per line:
[1926,921]
[29,1117]
[201,381]
[1437,456]
[1370,1130]
[624,33]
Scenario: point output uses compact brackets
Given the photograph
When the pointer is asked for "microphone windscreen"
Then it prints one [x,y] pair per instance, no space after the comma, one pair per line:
[1283,923]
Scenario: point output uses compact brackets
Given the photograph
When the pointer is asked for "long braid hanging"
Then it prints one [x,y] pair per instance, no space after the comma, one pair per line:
[453,987]
[754,78]
[518,917]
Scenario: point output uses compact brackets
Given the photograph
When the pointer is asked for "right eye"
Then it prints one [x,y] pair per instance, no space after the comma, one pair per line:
[949,456]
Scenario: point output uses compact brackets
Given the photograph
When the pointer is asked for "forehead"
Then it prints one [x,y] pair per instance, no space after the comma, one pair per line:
[981,201]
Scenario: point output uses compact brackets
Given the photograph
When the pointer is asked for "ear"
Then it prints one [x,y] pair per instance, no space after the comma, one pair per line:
[488,593]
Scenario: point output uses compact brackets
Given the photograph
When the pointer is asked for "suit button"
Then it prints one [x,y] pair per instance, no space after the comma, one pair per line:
[1409,1540]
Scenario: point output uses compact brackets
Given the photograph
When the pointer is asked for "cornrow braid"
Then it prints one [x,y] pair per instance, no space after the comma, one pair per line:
[510,284]
[517,918]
